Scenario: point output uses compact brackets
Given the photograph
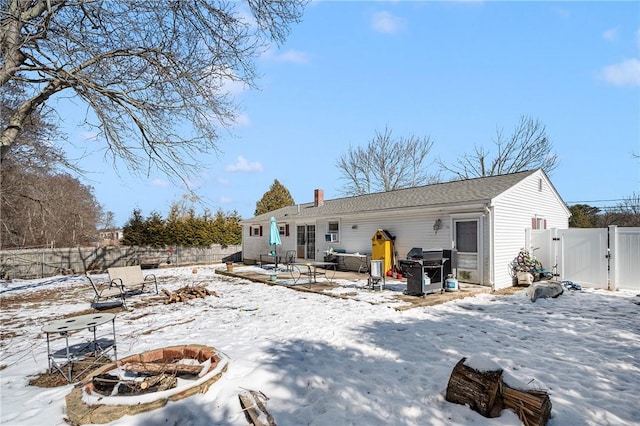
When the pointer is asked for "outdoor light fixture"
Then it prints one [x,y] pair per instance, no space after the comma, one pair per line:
[437,225]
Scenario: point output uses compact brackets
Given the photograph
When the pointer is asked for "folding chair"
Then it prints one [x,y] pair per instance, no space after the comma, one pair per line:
[376,279]
[289,259]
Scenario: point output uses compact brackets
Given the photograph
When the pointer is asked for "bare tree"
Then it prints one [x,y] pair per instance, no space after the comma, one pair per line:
[38,203]
[144,67]
[527,148]
[625,213]
[43,209]
[386,164]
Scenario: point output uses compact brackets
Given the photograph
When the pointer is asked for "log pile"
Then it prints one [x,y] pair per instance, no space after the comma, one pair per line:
[486,393]
[105,384]
[149,377]
[187,293]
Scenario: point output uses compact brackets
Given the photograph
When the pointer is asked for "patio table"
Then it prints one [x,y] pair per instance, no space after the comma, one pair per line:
[312,270]
[86,355]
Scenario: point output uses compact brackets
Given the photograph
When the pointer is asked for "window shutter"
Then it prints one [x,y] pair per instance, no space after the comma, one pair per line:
[251,231]
[286,230]
[545,224]
[261,230]
[533,223]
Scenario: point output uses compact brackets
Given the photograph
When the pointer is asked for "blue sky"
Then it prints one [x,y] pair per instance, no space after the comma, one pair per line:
[453,71]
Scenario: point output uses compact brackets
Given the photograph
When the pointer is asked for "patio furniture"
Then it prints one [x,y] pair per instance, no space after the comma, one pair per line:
[352,261]
[131,280]
[298,270]
[84,356]
[105,292]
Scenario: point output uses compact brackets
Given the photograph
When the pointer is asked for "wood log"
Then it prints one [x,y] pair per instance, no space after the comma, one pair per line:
[159,368]
[256,397]
[533,407]
[187,293]
[105,384]
[250,411]
[477,389]
[254,409]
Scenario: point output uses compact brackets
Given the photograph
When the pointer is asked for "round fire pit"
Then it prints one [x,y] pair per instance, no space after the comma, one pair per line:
[92,402]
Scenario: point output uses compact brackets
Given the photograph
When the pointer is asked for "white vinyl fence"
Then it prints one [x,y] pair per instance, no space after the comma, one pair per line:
[592,257]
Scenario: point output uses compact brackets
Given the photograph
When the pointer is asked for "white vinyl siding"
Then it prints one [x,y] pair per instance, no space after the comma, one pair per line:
[514,210]
[502,221]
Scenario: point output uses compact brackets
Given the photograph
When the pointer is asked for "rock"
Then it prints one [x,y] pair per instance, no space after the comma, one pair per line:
[544,290]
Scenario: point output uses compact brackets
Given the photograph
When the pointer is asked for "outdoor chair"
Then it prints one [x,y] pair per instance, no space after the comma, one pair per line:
[105,292]
[376,279]
[289,259]
[131,280]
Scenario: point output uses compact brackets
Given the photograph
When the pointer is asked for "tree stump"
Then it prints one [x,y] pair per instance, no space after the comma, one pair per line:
[477,389]
[486,393]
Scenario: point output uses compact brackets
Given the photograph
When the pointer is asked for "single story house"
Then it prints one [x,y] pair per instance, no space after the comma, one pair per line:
[484,219]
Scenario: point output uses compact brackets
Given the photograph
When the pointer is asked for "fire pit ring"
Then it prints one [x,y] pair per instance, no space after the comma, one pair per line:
[85,405]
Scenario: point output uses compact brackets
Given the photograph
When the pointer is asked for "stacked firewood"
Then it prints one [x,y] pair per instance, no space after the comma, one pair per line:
[187,293]
[486,393]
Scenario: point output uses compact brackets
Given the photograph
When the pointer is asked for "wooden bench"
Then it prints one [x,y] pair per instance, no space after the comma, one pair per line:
[149,262]
[131,280]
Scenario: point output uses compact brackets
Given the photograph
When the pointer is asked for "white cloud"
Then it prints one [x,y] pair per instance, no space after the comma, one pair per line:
[290,56]
[610,34]
[625,73]
[241,120]
[160,183]
[225,200]
[385,22]
[242,165]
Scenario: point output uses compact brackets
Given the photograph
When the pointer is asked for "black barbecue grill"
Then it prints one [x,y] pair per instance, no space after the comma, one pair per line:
[434,264]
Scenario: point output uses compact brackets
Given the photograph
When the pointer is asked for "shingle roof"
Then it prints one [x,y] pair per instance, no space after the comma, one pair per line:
[440,194]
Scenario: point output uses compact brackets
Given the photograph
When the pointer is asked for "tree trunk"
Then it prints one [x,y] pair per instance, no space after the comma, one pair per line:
[477,389]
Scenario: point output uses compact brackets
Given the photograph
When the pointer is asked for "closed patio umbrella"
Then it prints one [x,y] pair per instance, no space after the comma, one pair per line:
[274,238]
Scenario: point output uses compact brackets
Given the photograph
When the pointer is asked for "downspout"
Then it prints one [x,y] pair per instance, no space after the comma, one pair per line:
[489,214]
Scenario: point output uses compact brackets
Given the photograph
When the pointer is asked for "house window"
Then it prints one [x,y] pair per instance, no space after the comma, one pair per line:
[333,232]
[255,231]
[281,229]
[538,223]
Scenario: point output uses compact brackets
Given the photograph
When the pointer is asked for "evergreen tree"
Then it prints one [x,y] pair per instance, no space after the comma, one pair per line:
[134,230]
[583,216]
[155,231]
[226,228]
[276,197]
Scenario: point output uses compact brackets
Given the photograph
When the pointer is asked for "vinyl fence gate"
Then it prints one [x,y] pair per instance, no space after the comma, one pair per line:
[606,258]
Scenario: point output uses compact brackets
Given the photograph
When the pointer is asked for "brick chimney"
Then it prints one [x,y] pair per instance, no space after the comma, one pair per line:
[318,197]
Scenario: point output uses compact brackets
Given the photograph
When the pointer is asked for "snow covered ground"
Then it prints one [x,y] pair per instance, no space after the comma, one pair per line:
[329,361]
